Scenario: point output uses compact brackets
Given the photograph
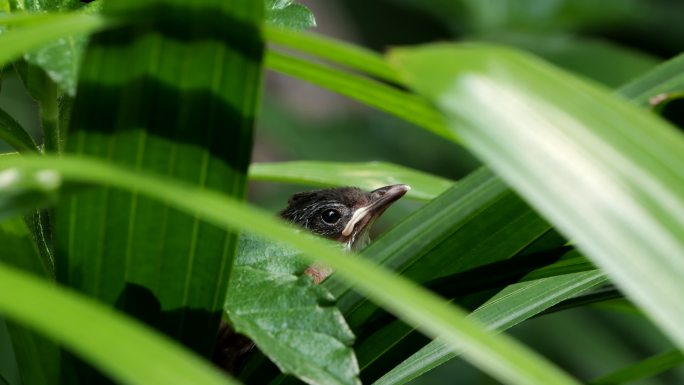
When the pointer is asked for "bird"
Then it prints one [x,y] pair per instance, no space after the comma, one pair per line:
[342,214]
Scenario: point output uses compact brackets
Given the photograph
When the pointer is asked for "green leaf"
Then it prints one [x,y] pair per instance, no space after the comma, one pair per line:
[509,307]
[285,316]
[498,355]
[367,176]
[336,51]
[20,251]
[114,343]
[45,5]
[647,368]
[15,135]
[43,29]
[177,96]
[605,173]
[60,59]
[571,52]
[288,14]
[480,216]
[23,193]
[386,98]
[664,81]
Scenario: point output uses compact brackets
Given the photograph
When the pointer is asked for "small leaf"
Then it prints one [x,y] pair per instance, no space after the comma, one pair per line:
[61,58]
[287,316]
[287,14]
[42,29]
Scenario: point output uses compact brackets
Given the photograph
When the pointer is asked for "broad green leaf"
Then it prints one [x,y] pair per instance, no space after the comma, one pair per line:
[287,316]
[499,356]
[386,98]
[336,51]
[662,82]
[19,250]
[46,28]
[608,175]
[288,14]
[643,369]
[114,343]
[508,308]
[176,96]
[15,135]
[367,176]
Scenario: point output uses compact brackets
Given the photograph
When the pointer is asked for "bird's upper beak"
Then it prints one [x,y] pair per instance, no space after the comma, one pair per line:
[380,200]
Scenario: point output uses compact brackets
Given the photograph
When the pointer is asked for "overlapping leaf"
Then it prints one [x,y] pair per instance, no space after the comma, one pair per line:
[289,318]
[606,174]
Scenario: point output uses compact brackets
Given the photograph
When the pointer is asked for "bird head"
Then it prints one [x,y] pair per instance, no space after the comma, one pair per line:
[343,214]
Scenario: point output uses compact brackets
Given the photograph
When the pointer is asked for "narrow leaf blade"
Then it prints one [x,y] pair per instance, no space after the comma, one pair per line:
[367,176]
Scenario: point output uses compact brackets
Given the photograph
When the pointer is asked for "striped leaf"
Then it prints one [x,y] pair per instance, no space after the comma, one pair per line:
[172,89]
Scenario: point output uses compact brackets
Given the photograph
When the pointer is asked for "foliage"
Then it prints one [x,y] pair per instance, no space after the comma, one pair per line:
[127,254]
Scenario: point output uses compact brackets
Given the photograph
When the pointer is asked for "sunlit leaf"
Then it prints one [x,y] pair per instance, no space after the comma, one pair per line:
[608,175]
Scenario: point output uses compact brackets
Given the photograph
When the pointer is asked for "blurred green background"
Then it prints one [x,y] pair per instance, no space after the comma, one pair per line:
[608,41]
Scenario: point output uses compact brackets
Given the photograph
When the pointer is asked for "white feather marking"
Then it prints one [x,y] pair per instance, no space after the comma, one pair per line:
[359,214]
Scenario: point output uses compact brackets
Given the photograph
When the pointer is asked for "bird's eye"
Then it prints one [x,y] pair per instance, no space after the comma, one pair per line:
[331,216]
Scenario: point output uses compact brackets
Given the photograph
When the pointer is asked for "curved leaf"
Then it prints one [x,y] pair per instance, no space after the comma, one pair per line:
[662,81]
[124,351]
[386,98]
[335,51]
[499,355]
[15,135]
[647,368]
[19,250]
[607,174]
[46,29]
[508,308]
[367,176]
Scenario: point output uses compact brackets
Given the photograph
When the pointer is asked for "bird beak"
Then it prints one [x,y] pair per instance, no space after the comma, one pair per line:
[380,200]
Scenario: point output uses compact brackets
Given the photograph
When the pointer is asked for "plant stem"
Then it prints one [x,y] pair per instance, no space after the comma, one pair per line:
[49,118]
